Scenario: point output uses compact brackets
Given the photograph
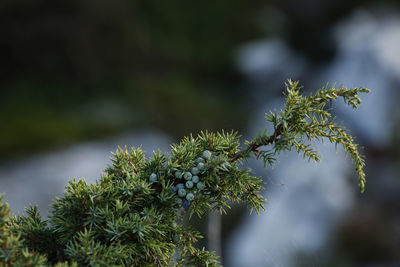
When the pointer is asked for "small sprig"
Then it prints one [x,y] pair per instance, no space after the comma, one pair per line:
[303,120]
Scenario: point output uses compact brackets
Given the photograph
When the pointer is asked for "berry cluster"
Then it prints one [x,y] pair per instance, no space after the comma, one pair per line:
[189,180]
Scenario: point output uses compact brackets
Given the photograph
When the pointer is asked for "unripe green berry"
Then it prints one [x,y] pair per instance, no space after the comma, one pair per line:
[190,197]
[153,177]
[189,184]
[187,176]
[206,154]
[180,186]
[225,165]
[195,171]
[173,224]
[195,179]
[178,174]
[200,186]
[179,201]
[201,166]
[182,192]
[176,239]
[199,160]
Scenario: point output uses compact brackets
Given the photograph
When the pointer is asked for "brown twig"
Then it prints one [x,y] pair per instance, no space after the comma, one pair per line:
[255,145]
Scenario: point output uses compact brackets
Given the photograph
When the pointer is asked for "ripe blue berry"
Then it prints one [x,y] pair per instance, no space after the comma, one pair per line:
[182,192]
[186,204]
[206,154]
[195,179]
[187,176]
[176,239]
[153,177]
[189,184]
[190,196]
[200,186]
[195,171]
[199,160]
[178,174]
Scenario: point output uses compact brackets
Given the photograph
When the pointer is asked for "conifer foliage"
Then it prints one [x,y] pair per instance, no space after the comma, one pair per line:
[132,216]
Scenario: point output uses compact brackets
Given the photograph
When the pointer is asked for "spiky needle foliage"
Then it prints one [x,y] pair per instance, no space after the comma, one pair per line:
[133,215]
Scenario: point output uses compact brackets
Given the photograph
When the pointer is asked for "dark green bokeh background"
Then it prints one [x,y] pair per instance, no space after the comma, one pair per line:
[81,70]
[77,70]
[87,69]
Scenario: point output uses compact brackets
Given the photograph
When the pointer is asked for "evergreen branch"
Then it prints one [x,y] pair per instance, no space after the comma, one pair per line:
[133,215]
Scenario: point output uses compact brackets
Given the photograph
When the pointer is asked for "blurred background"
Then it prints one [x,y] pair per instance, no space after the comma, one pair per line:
[79,78]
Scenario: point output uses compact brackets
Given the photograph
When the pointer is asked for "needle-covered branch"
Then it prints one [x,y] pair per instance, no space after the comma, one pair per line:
[303,120]
[132,216]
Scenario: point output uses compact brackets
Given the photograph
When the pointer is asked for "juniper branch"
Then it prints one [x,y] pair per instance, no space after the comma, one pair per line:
[132,216]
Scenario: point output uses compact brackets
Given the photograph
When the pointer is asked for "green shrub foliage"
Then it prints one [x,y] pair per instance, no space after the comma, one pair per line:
[132,216]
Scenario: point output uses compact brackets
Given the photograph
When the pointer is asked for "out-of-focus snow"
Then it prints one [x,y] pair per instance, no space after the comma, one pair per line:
[40,178]
[307,199]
